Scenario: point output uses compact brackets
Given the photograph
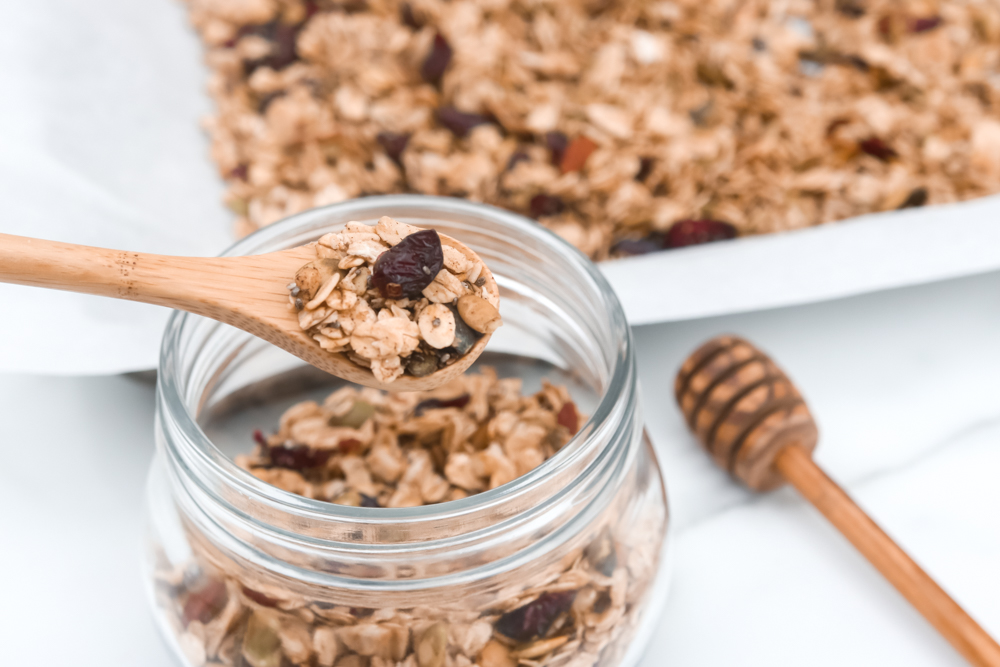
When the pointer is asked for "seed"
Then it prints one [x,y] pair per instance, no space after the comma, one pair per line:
[419,364]
[465,336]
[652,243]
[369,501]
[359,413]
[916,198]
[261,644]
[437,60]
[878,148]
[405,269]
[408,18]
[432,648]
[646,165]
[851,8]
[696,232]
[459,122]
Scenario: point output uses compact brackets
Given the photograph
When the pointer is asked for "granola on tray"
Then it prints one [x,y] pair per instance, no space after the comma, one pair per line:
[373,449]
[394,298]
[608,121]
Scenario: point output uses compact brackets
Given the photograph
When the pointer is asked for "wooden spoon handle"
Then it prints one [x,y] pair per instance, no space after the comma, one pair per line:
[797,466]
[119,274]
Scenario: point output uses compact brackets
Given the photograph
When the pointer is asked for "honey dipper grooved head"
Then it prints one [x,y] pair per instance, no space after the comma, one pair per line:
[743,409]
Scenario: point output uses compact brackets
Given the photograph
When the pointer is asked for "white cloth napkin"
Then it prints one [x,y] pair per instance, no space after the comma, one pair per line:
[99,124]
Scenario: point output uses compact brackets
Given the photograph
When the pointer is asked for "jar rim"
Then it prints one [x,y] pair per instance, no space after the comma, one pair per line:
[203,453]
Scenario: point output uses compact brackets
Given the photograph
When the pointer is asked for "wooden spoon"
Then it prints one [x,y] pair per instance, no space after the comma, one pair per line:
[249,293]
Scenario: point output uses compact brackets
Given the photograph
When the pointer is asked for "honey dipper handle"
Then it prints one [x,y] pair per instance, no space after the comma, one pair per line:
[797,466]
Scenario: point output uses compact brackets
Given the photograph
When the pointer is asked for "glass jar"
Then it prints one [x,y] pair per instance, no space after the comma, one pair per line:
[561,566]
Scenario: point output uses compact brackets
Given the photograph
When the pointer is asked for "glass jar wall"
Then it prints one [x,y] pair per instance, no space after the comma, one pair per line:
[559,567]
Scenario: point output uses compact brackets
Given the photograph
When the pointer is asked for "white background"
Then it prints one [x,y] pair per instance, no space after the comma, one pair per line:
[903,384]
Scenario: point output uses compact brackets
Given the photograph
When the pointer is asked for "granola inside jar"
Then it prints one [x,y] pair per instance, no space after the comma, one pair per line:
[553,560]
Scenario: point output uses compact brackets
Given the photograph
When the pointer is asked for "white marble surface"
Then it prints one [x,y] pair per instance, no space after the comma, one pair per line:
[904,386]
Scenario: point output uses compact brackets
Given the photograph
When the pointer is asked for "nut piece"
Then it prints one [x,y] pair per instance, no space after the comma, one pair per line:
[479,313]
[437,326]
[432,649]
[312,276]
[495,655]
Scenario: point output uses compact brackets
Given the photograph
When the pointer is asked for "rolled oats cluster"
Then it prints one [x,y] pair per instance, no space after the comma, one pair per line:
[374,449]
[578,607]
[608,121]
[394,298]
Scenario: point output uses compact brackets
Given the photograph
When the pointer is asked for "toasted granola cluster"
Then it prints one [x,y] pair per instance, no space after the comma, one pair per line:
[608,122]
[577,608]
[374,449]
[394,298]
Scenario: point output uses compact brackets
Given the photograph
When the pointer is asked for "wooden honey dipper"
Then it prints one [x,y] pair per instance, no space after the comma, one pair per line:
[754,423]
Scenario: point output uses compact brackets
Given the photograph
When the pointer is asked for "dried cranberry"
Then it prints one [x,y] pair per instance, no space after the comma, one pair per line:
[283,50]
[877,148]
[459,401]
[349,446]
[568,417]
[695,232]
[297,457]
[258,437]
[368,501]
[925,24]
[517,157]
[576,154]
[240,172]
[437,60]
[652,243]
[311,8]
[408,18]
[205,603]
[917,198]
[459,122]
[885,26]
[404,270]
[556,142]
[394,144]
[259,598]
[543,205]
[534,619]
